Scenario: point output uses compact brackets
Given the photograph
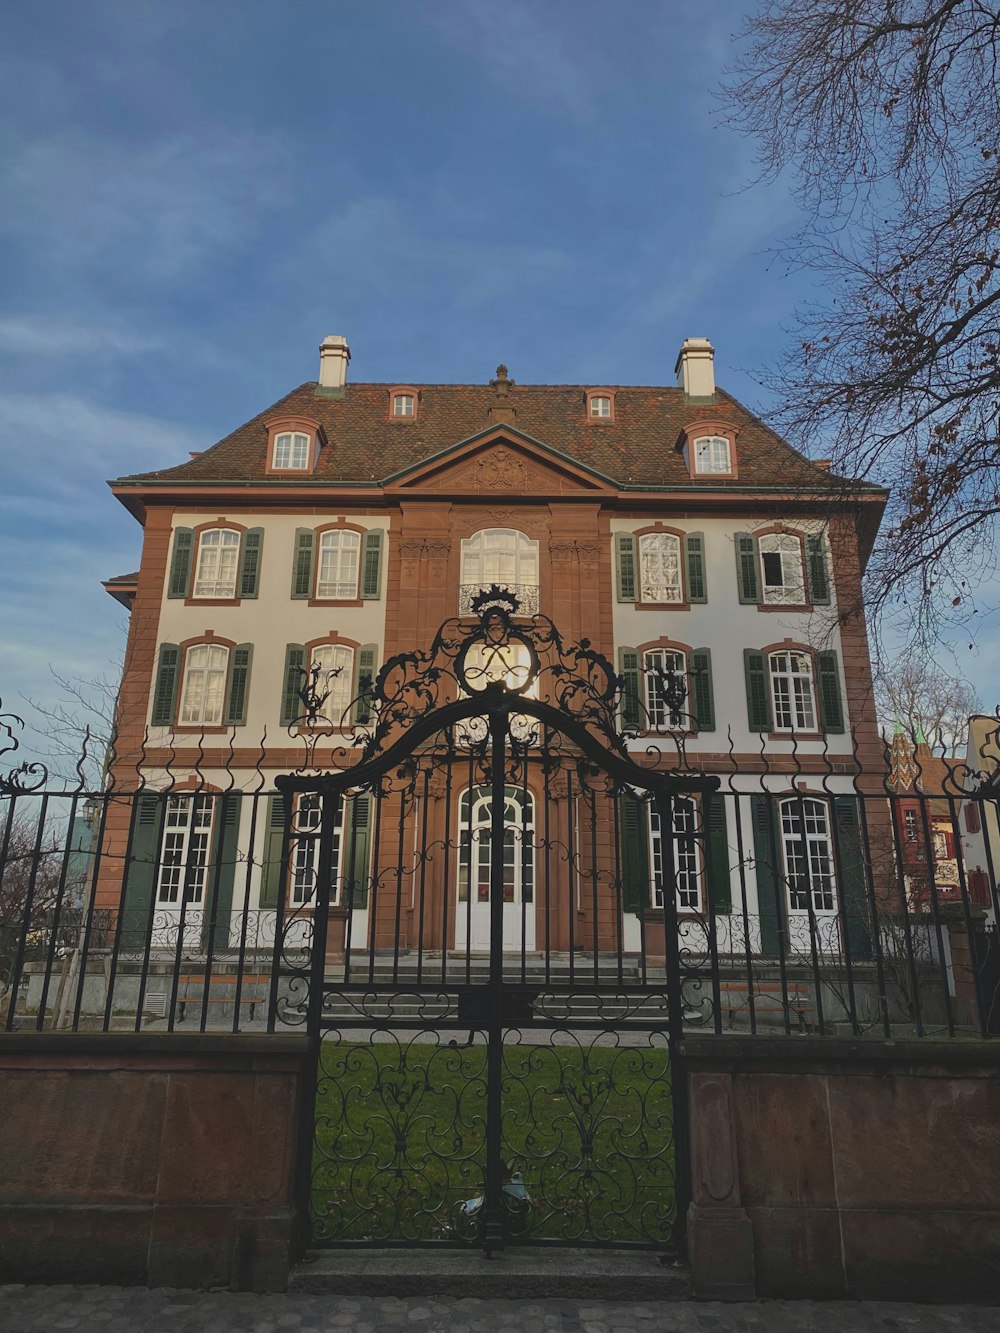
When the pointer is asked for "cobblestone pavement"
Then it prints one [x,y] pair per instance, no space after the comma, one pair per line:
[27,1309]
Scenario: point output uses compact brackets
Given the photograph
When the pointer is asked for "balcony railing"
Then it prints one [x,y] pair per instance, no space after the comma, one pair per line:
[526,594]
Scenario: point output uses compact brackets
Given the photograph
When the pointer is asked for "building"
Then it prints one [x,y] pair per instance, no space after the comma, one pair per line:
[344,523]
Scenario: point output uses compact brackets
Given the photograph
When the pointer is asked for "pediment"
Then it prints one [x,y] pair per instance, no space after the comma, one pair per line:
[501,461]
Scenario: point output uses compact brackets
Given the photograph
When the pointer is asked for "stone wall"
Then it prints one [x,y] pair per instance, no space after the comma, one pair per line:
[130,1158]
[862,1169]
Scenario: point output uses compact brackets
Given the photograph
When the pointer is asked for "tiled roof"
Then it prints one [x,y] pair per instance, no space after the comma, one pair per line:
[637,447]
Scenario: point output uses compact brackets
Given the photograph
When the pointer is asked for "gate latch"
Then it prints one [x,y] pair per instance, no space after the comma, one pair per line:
[475,1009]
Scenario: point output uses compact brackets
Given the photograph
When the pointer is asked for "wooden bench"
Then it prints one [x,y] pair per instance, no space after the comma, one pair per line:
[254,989]
[734,997]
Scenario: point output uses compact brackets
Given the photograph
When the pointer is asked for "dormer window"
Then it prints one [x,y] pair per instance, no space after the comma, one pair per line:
[711,454]
[402,405]
[600,405]
[709,448]
[291,451]
[293,444]
[404,402]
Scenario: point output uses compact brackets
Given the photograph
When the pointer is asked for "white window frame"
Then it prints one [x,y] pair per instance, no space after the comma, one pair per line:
[476,804]
[712,453]
[503,556]
[303,859]
[329,657]
[203,693]
[688,856]
[292,449]
[185,851]
[338,565]
[666,659]
[658,551]
[408,403]
[793,691]
[791,591]
[817,887]
[218,565]
[600,406]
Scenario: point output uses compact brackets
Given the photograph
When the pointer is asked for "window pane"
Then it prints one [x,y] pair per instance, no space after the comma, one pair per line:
[600,407]
[792,692]
[781,560]
[674,667]
[333,658]
[218,556]
[660,567]
[337,573]
[204,685]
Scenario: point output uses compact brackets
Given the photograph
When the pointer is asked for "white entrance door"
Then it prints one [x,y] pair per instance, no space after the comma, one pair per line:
[472,921]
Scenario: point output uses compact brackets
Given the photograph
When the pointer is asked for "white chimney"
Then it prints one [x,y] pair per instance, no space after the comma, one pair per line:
[334,355]
[695,368]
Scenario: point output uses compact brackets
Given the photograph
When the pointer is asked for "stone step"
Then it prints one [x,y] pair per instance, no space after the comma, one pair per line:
[519,1273]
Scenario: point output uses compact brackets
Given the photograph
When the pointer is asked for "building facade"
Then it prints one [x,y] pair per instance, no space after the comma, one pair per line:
[666,525]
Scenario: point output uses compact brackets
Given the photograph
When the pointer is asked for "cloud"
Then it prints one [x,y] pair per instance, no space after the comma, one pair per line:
[45,335]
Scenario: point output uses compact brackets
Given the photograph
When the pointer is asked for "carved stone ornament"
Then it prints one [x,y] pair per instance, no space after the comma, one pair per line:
[501,470]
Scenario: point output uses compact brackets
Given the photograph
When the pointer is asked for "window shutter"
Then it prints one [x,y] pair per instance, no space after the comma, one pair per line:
[356,864]
[831,708]
[371,582]
[140,874]
[631,704]
[720,892]
[746,567]
[853,893]
[222,869]
[758,691]
[270,875]
[302,564]
[165,689]
[179,581]
[770,907]
[291,704]
[250,552]
[364,679]
[702,704]
[238,692]
[819,582]
[697,582]
[625,566]
[633,818]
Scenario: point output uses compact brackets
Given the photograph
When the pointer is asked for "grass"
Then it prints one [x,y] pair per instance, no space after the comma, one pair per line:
[400,1146]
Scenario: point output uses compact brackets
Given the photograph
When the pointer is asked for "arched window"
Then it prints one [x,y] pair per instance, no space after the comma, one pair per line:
[711,454]
[336,674]
[670,662]
[402,405]
[792,696]
[475,825]
[184,850]
[687,855]
[337,566]
[502,556]
[781,567]
[204,689]
[291,451]
[807,854]
[218,562]
[660,578]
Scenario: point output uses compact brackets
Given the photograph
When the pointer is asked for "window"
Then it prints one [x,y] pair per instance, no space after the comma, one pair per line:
[218,563]
[337,566]
[600,405]
[783,582]
[184,854]
[502,556]
[660,568]
[687,855]
[291,451]
[304,859]
[336,668]
[475,815]
[910,825]
[402,405]
[204,690]
[805,844]
[711,454]
[792,692]
[663,668]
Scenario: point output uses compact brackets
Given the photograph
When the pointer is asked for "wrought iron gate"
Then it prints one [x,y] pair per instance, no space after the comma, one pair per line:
[493,993]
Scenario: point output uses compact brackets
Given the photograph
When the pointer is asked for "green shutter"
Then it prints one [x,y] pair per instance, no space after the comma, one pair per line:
[758,690]
[358,815]
[702,703]
[697,579]
[291,704]
[140,873]
[302,564]
[250,553]
[720,893]
[769,894]
[222,868]
[746,567]
[165,689]
[631,703]
[371,581]
[831,708]
[274,830]
[625,566]
[179,582]
[238,692]
[819,583]
[364,679]
[853,888]
[633,817]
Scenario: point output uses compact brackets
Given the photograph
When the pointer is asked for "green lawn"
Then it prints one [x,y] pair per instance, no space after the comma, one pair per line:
[401,1134]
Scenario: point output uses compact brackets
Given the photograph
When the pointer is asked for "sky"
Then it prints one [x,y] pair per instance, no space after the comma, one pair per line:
[193,194]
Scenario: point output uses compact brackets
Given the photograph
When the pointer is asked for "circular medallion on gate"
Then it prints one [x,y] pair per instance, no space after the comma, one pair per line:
[498,652]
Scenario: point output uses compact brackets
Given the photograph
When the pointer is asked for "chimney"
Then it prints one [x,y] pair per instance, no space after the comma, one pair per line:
[695,370]
[334,355]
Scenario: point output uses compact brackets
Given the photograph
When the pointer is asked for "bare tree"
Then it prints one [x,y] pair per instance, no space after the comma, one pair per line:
[887,114]
[30,872]
[74,732]
[925,699]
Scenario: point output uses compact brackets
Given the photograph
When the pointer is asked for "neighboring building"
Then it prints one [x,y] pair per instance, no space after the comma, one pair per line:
[346,522]
[927,820]
[980,823]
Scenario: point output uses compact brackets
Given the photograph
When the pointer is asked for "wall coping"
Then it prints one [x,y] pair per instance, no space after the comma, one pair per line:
[825,1055]
[213,1051]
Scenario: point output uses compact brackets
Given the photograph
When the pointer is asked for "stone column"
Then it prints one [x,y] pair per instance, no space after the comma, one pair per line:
[720,1234]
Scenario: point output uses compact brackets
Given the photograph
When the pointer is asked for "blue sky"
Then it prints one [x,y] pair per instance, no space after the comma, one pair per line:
[194,194]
